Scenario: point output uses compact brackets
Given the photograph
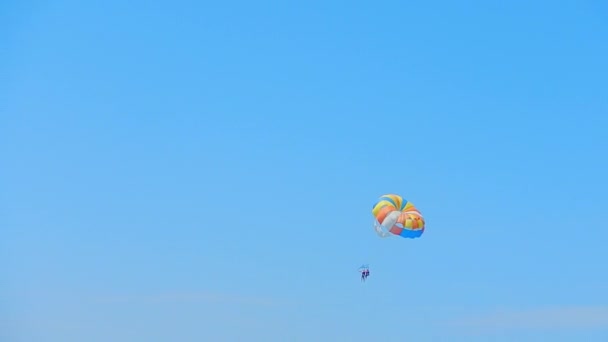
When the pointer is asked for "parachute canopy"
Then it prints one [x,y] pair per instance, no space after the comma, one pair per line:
[395,215]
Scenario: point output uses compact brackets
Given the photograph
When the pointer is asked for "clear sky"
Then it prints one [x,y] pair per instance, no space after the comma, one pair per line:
[205,171]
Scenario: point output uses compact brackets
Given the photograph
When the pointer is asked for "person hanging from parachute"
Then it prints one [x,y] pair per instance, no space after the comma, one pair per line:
[364,269]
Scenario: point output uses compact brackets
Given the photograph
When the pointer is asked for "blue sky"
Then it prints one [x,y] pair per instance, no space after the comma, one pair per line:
[187,171]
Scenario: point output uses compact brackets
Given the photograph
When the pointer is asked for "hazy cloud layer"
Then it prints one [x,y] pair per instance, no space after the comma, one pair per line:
[192,297]
[573,317]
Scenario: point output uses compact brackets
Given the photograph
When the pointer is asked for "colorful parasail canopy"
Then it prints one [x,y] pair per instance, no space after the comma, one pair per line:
[395,215]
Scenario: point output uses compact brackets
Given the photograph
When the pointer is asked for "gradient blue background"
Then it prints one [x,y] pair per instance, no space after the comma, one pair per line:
[205,171]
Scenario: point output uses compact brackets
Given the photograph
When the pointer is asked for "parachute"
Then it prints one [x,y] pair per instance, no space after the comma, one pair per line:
[393,215]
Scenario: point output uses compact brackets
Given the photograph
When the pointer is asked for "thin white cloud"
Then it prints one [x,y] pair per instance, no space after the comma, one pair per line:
[574,317]
[192,297]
